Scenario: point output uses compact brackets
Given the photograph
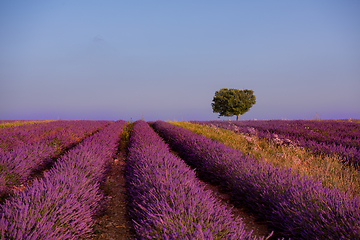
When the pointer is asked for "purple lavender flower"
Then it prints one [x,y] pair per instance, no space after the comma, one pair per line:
[295,206]
[61,205]
[166,199]
[18,164]
[321,137]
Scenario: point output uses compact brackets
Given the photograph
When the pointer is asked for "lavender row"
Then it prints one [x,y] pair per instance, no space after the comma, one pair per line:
[17,165]
[13,137]
[321,137]
[61,205]
[298,207]
[166,199]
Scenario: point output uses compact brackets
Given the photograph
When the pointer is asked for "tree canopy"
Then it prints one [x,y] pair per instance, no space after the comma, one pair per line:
[230,102]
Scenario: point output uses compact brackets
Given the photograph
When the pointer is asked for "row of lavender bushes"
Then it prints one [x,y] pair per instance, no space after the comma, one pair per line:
[166,200]
[321,137]
[294,206]
[61,205]
[16,136]
[17,165]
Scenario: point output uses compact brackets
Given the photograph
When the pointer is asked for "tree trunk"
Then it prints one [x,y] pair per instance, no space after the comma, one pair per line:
[237,117]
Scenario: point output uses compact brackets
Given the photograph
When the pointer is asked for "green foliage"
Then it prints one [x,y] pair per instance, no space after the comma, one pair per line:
[56,144]
[230,102]
[126,132]
[125,136]
[18,123]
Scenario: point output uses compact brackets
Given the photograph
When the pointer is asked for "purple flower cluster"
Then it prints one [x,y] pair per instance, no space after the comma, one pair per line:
[166,199]
[321,137]
[61,205]
[19,163]
[12,137]
[295,206]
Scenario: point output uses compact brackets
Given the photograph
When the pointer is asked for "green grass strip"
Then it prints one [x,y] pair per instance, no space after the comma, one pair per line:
[18,123]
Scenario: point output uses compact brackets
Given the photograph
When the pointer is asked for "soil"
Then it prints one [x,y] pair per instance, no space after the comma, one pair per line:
[114,223]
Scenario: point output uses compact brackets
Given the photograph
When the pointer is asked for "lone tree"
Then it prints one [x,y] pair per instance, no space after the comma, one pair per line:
[230,102]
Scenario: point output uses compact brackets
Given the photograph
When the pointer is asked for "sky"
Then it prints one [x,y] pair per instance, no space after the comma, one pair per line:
[164,60]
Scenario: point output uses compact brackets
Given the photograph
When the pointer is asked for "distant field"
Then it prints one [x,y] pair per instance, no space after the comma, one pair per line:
[10,123]
[300,178]
[322,149]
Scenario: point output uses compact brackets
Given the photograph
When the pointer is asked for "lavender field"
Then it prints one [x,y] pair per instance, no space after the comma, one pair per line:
[53,179]
[321,137]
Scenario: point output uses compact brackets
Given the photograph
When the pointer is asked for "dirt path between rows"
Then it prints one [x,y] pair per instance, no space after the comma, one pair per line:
[114,223]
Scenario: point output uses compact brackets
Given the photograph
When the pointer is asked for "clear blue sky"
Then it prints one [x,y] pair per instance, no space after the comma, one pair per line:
[165,59]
